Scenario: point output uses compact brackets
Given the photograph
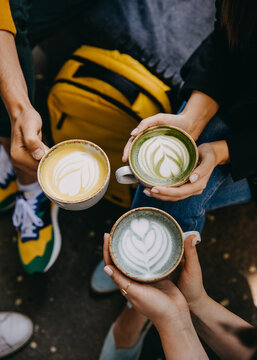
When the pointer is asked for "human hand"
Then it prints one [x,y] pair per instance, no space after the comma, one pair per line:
[210,155]
[161,302]
[27,147]
[181,121]
[190,280]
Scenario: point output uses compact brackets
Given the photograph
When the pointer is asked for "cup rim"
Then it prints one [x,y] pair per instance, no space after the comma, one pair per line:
[143,181]
[86,142]
[157,278]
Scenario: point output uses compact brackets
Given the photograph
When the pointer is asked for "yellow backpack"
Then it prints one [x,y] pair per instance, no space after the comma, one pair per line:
[101,95]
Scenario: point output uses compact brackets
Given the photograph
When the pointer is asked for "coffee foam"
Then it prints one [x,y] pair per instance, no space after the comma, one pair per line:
[146,245]
[73,171]
[163,157]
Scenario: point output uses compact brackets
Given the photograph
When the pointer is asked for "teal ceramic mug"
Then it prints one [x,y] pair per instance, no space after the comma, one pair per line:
[147,244]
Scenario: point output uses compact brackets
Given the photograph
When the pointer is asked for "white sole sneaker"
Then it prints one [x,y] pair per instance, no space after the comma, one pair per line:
[57,238]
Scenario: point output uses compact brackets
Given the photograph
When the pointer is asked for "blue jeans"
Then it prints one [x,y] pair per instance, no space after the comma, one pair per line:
[220,191]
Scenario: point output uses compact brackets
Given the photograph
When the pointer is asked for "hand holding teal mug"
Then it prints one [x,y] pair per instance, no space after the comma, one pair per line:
[161,155]
[147,244]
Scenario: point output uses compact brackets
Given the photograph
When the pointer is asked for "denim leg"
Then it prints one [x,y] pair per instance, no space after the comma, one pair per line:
[190,212]
[230,193]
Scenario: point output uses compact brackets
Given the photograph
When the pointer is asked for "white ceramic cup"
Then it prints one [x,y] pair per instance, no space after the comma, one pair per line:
[85,202]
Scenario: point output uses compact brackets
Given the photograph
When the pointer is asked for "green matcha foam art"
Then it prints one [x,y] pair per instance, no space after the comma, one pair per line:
[163,156]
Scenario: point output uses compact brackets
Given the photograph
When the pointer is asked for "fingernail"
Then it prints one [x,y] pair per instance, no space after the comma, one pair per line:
[134,132]
[123,159]
[155,191]
[37,154]
[193,178]
[105,234]
[147,193]
[195,241]
[108,270]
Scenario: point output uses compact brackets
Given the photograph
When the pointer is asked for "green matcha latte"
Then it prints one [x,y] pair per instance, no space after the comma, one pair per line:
[163,156]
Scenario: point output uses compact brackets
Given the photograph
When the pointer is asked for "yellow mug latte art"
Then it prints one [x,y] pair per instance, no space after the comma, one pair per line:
[74,171]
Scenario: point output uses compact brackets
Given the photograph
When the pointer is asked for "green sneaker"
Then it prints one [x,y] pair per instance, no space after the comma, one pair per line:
[39,238]
[8,184]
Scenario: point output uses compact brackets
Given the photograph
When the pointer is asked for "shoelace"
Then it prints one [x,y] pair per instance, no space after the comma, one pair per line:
[6,167]
[24,217]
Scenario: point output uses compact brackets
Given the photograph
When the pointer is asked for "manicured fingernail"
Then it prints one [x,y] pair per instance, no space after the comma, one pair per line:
[108,270]
[123,159]
[193,178]
[37,154]
[147,193]
[105,235]
[155,191]
[134,132]
[195,241]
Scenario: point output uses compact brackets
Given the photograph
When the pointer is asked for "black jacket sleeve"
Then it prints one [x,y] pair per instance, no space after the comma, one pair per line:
[205,69]
[243,153]
[213,69]
[241,139]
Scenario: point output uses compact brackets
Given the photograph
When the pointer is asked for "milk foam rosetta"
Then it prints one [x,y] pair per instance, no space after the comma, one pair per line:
[73,171]
[145,247]
[163,157]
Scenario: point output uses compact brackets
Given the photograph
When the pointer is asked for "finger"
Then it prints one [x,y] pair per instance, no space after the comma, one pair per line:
[159,119]
[32,138]
[106,252]
[122,281]
[191,264]
[202,170]
[21,159]
[46,148]
[126,150]
[176,193]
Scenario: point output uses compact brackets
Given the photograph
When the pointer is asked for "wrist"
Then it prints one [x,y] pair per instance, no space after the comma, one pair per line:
[175,329]
[199,303]
[198,111]
[188,124]
[221,151]
[17,108]
[174,323]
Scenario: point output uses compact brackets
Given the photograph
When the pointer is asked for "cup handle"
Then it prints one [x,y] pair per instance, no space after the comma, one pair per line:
[124,175]
[196,233]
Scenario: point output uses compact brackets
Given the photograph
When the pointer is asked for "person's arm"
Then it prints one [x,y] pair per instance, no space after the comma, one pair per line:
[26,123]
[208,67]
[180,342]
[198,111]
[216,325]
[220,329]
[166,307]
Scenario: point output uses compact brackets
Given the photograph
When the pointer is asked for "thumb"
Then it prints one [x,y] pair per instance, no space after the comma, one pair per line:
[205,166]
[191,263]
[158,119]
[202,170]
[33,143]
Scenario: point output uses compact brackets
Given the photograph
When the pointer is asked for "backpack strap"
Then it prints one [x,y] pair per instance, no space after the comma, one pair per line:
[128,88]
[104,96]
